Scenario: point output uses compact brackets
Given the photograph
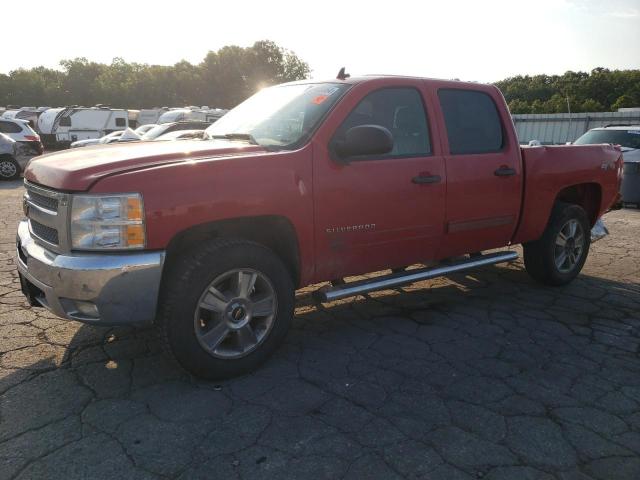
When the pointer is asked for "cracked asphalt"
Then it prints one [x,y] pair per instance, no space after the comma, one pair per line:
[484,375]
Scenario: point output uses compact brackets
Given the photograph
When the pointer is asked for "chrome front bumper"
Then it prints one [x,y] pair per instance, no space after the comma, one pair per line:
[102,289]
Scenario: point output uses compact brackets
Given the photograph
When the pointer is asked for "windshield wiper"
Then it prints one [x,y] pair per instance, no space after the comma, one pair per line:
[238,136]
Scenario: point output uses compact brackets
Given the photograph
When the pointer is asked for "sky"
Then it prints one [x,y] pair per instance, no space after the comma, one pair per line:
[481,40]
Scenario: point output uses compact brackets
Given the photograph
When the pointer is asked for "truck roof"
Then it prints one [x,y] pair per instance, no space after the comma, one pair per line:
[377,77]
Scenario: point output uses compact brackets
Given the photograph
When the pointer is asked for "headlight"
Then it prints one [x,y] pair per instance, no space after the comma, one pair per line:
[107,222]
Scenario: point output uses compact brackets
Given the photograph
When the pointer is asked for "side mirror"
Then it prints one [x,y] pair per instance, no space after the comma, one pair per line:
[364,140]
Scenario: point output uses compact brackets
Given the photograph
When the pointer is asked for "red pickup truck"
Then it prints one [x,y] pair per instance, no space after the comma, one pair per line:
[302,183]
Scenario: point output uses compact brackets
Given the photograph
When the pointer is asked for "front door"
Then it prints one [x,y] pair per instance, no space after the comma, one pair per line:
[384,211]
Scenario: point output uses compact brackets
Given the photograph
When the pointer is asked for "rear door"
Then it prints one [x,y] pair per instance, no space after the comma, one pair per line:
[484,177]
[384,211]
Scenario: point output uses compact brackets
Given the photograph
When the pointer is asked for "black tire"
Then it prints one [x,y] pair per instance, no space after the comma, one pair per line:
[187,281]
[540,255]
[9,168]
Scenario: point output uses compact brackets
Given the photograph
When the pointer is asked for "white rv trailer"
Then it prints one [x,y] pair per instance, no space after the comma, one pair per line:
[46,123]
[81,123]
[204,114]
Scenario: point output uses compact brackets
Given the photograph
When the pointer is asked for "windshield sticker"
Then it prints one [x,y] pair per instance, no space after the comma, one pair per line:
[324,94]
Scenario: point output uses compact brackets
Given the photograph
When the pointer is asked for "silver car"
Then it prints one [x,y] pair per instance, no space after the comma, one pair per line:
[628,137]
[14,157]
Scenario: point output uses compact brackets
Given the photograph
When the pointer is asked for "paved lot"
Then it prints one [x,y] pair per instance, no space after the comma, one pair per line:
[486,375]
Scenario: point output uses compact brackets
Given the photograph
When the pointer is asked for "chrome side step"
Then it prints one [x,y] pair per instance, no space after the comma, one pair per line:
[329,294]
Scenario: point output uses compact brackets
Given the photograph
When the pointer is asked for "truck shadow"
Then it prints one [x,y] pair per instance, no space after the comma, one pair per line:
[404,360]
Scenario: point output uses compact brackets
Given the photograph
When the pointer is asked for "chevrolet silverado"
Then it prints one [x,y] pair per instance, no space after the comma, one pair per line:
[302,183]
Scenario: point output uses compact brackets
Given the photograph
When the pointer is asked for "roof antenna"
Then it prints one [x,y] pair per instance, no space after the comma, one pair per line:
[342,75]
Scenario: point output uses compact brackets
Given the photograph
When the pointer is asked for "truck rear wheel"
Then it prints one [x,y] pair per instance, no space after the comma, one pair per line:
[559,255]
[226,308]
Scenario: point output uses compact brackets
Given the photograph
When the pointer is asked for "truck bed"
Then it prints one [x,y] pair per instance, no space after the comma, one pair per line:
[551,169]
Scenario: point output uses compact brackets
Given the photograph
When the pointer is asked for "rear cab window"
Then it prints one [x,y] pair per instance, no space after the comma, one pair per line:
[472,121]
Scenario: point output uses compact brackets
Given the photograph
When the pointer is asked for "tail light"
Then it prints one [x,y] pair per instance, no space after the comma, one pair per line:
[32,138]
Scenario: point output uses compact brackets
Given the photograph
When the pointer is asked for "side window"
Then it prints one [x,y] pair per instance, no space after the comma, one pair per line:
[65,122]
[472,120]
[9,127]
[120,122]
[401,111]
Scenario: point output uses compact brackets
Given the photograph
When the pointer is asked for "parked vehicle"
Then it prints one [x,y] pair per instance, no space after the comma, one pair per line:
[203,114]
[10,114]
[62,126]
[302,183]
[628,137]
[142,129]
[150,115]
[47,123]
[83,123]
[110,138]
[14,157]
[127,135]
[182,135]
[21,132]
[31,115]
[133,117]
[165,128]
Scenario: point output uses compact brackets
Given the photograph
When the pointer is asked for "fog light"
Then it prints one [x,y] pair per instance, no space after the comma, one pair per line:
[80,308]
[88,309]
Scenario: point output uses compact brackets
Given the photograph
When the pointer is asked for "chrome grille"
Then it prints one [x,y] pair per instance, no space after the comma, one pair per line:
[43,201]
[48,211]
[48,234]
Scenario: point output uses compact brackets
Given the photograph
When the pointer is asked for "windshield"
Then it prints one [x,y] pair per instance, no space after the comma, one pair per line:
[624,138]
[279,116]
[155,132]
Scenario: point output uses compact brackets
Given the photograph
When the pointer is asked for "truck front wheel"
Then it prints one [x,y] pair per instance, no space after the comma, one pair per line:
[226,308]
[559,255]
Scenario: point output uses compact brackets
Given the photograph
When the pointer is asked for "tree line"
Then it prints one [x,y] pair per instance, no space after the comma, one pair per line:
[223,79]
[601,90]
[229,75]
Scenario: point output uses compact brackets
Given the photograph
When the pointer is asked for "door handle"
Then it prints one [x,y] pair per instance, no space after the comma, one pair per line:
[426,179]
[505,172]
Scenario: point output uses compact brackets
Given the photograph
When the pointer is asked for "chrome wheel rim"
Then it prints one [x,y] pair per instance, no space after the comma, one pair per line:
[7,169]
[235,313]
[569,247]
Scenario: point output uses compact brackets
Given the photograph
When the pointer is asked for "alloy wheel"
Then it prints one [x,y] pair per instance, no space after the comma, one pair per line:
[235,313]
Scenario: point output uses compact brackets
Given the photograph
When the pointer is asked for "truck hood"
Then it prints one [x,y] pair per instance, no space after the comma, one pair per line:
[78,169]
